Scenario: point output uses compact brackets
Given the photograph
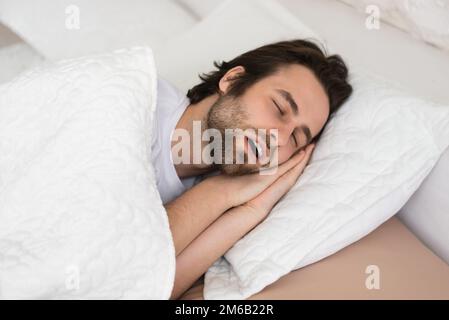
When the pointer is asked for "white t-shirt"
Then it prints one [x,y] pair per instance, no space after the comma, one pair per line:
[170,105]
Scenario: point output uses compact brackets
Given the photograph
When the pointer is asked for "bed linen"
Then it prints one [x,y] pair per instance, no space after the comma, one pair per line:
[71,28]
[407,270]
[15,55]
[431,84]
[80,214]
[15,58]
[399,57]
[364,168]
[388,51]
[427,20]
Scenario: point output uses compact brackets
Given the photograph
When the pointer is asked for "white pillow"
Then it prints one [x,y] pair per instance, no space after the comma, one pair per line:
[427,20]
[372,156]
[224,35]
[80,214]
[16,58]
[426,213]
[200,8]
[103,24]
[392,53]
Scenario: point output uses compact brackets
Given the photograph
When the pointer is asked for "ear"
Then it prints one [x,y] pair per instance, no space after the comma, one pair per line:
[225,82]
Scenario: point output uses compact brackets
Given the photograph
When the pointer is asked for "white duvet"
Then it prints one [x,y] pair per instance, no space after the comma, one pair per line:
[80,215]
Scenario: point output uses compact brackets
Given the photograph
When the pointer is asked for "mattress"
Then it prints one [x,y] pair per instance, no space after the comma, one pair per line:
[406,269]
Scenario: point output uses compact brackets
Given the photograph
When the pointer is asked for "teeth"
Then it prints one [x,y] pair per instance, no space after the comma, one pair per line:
[255,147]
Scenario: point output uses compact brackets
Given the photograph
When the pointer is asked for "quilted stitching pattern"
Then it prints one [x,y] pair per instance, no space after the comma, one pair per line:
[77,190]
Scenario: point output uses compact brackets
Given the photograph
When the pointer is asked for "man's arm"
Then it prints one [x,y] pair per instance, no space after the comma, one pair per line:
[210,245]
[195,210]
[230,227]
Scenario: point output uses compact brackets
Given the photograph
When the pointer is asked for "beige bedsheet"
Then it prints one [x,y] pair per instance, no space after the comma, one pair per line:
[406,268]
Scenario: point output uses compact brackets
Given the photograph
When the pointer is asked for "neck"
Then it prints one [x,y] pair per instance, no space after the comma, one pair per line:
[194,112]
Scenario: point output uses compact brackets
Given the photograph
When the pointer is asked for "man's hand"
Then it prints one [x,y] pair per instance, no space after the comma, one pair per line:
[240,189]
[222,234]
[262,204]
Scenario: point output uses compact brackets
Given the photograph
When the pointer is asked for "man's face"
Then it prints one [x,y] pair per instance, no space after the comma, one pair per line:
[292,101]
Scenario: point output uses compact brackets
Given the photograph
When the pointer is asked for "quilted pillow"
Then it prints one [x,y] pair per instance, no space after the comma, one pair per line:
[80,214]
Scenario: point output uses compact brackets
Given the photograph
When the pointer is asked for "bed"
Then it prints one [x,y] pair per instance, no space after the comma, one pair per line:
[411,250]
[424,219]
[408,270]
[411,270]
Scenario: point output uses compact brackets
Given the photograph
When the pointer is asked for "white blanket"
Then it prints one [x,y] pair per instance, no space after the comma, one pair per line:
[80,215]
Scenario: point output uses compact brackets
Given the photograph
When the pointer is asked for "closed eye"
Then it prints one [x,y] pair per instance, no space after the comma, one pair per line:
[295,140]
[277,106]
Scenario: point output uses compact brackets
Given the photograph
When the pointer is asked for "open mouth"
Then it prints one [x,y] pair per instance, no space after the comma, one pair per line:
[255,148]
[258,148]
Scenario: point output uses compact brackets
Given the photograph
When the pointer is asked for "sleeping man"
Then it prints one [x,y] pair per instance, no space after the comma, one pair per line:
[273,102]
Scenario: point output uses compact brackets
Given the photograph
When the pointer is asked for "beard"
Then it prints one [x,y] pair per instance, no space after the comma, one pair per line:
[229,113]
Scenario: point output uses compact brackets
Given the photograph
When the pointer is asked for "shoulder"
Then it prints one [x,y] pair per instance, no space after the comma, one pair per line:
[168,92]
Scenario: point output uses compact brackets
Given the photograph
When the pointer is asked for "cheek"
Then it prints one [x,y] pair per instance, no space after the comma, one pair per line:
[260,116]
[284,153]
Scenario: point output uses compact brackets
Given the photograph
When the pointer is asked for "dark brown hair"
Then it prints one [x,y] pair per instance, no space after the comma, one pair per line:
[331,71]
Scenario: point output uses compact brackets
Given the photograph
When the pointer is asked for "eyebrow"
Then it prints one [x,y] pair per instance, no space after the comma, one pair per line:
[288,97]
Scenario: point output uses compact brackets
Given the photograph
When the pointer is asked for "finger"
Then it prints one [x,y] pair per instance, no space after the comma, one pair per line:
[301,157]
[279,170]
[286,181]
[279,188]
[308,154]
[309,151]
[293,174]
[273,172]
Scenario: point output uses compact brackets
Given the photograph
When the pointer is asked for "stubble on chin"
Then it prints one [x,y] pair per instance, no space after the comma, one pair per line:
[229,113]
